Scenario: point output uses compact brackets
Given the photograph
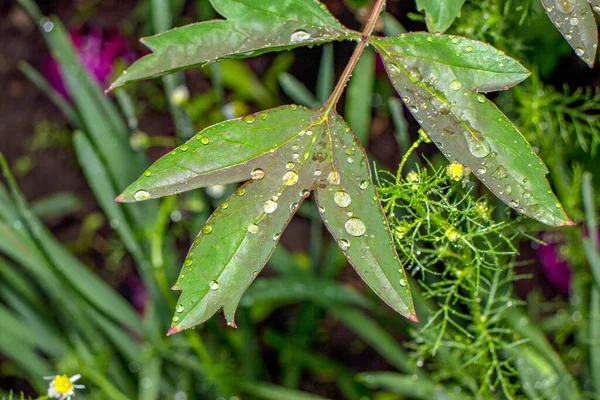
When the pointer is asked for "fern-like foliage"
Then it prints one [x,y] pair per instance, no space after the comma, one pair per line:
[464,262]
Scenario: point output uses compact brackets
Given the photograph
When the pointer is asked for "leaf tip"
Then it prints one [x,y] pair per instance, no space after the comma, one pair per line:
[413,317]
[120,199]
[173,330]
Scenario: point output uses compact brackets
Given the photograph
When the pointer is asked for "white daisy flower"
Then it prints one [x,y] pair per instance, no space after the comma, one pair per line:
[61,386]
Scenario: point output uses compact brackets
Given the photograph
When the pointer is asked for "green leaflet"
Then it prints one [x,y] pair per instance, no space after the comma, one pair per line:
[575,21]
[251,28]
[440,78]
[440,13]
[284,153]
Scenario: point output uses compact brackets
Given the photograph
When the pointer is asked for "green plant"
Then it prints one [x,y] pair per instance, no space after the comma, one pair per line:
[458,244]
[439,78]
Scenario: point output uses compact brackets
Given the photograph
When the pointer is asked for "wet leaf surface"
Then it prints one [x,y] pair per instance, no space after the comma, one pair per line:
[441,79]
[251,28]
[576,22]
[284,154]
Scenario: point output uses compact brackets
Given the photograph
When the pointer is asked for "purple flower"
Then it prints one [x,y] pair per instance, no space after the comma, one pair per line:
[555,267]
[97,50]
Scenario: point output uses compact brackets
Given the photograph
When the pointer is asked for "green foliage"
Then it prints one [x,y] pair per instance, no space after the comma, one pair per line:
[440,79]
[440,13]
[576,22]
[280,157]
[250,29]
[476,338]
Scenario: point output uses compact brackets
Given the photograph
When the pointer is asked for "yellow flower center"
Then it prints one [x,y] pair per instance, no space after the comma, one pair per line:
[63,384]
[455,171]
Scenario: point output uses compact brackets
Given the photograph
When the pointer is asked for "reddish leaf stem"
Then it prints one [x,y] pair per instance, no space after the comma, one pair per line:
[341,85]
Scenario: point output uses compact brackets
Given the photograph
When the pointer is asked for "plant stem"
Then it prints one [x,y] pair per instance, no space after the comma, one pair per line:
[341,85]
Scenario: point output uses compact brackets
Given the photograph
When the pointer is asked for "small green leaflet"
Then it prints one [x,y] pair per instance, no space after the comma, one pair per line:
[575,21]
[440,13]
[251,28]
[440,78]
[284,154]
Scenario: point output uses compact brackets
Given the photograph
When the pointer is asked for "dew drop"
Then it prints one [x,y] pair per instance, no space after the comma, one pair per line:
[175,318]
[184,147]
[355,227]
[363,185]
[289,165]
[207,229]
[478,146]
[304,192]
[565,6]
[249,119]
[141,195]
[574,21]
[204,140]
[344,244]
[342,198]
[263,116]
[481,98]
[290,178]
[147,172]
[334,178]
[257,174]
[241,191]
[500,173]
[403,282]
[579,51]
[276,236]
[469,49]
[293,206]
[225,205]
[179,308]
[455,85]
[270,206]
[214,285]
[299,36]
[455,40]
[253,229]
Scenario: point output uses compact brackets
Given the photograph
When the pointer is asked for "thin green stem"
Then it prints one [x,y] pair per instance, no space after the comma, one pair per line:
[405,159]
[341,85]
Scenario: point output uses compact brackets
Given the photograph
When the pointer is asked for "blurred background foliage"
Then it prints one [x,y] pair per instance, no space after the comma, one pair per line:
[509,308]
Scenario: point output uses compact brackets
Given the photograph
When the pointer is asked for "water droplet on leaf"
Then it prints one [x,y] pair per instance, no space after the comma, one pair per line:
[355,227]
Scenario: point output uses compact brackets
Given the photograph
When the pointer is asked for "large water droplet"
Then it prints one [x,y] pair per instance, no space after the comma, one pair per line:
[257,173]
[355,227]
[342,198]
[455,85]
[270,206]
[207,229]
[179,308]
[334,178]
[363,185]
[214,285]
[253,229]
[290,178]
[565,6]
[141,195]
[403,282]
[299,36]
[478,146]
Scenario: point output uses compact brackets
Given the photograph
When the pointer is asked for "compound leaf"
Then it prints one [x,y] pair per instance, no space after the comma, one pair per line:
[284,153]
[440,78]
[576,22]
[440,13]
[251,28]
